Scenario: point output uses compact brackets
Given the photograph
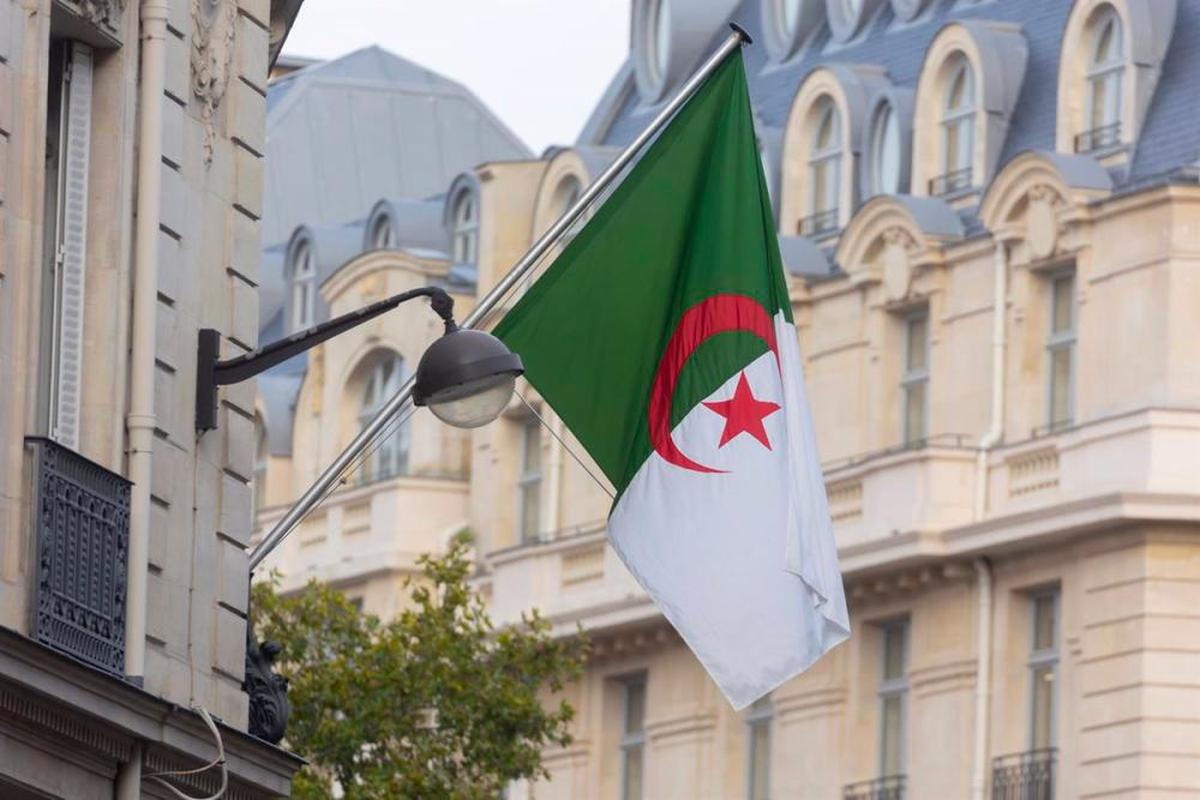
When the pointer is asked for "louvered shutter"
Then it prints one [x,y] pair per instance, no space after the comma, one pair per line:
[71,257]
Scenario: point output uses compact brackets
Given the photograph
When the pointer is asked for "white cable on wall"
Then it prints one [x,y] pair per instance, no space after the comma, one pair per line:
[219,761]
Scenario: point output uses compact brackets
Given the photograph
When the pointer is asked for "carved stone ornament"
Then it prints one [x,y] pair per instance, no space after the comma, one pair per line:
[103,12]
[215,23]
[897,262]
[268,691]
[1041,221]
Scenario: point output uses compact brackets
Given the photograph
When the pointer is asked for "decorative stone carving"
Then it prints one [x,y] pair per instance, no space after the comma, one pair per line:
[268,691]
[103,12]
[1041,221]
[896,261]
[215,23]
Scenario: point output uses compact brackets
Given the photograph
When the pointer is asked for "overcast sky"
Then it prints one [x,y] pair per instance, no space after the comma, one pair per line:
[540,65]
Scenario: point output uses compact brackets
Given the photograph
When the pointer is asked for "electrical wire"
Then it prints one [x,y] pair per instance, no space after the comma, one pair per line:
[570,451]
[219,761]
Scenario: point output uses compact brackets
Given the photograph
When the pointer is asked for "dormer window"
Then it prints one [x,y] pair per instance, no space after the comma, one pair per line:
[659,31]
[1111,60]
[1105,72]
[789,23]
[304,287]
[884,154]
[466,229]
[383,236]
[958,130]
[824,167]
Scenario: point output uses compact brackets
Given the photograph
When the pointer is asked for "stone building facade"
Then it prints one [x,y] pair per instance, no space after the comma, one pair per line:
[989,213]
[131,143]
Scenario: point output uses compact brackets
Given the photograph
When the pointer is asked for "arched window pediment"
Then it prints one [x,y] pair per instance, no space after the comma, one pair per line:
[1037,194]
[891,237]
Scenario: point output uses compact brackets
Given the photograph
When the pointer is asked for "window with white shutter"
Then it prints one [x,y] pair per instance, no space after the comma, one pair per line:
[67,161]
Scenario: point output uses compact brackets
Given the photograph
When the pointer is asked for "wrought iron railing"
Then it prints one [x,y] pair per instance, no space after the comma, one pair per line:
[889,787]
[1101,138]
[951,182]
[81,524]
[821,222]
[1024,776]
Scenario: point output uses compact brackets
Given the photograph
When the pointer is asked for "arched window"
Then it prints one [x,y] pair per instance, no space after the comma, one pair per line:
[304,287]
[824,166]
[258,487]
[567,194]
[466,229]
[789,16]
[885,151]
[390,458]
[958,129]
[383,236]
[659,31]
[1106,68]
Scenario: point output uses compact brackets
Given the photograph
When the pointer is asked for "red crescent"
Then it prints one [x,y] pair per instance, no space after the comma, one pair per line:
[721,313]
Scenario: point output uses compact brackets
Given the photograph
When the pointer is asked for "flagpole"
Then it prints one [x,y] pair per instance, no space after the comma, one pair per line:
[321,486]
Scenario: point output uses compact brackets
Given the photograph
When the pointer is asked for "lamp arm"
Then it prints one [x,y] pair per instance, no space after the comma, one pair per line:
[212,373]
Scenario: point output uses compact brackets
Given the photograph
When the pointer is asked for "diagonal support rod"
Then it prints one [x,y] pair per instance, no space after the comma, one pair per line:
[320,487]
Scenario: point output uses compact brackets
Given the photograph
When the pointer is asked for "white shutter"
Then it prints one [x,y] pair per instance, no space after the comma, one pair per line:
[71,258]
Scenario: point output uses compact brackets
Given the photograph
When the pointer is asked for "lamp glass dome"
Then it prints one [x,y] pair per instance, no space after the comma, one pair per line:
[475,404]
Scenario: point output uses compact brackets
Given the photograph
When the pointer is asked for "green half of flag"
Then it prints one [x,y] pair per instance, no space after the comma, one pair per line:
[690,221]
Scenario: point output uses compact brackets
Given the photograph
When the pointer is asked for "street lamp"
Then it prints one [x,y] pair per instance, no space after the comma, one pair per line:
[466,377]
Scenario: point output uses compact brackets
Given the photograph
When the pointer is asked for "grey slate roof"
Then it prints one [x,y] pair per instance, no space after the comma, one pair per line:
[1169,142]
[364,134]
[342,134]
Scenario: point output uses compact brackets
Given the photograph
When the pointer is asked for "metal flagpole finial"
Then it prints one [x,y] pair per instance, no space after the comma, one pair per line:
[740,31]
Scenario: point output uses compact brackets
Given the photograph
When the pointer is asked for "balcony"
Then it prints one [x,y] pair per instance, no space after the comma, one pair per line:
[1024,776]
[572,576]
[913,489]
[820,223]
[81,526]
[1106,137]
[951,183]
[890,787]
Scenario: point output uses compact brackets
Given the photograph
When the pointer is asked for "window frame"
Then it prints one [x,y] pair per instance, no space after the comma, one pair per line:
[954,116]
[632,740]
[304,286]
[911,377]
[1059,341]
[885,114]
[529,480]
[894,688]
[1046,657]
[826,161]
[396,446]
[761,714]
[464,215]
[1097,73]
[383,234]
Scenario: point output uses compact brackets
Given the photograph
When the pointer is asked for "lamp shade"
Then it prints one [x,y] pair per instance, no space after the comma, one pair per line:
[466,378]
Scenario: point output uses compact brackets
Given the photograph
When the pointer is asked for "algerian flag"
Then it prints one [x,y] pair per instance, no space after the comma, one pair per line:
[663,338]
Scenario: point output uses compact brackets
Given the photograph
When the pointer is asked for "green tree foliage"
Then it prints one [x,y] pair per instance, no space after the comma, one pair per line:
[363,690]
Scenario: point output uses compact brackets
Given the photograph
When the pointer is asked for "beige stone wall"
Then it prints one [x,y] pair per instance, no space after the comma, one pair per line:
[208,260]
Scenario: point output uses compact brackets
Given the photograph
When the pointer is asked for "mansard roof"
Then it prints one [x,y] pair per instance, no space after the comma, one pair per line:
[1168,144]
[341,134]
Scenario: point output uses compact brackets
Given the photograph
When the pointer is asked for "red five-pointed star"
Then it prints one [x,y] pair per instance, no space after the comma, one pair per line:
[744,413]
